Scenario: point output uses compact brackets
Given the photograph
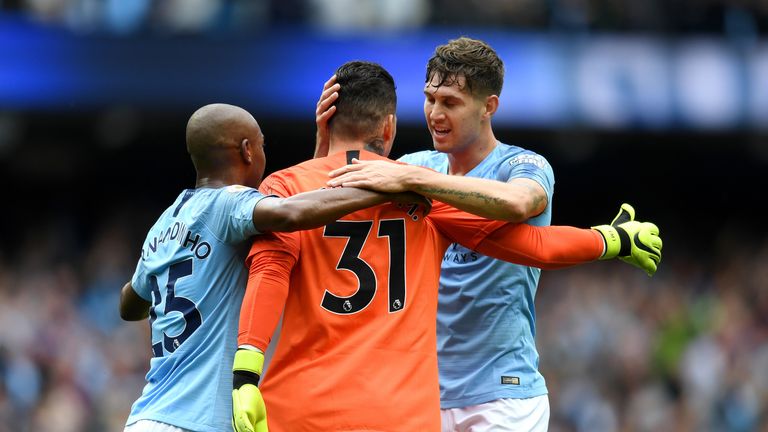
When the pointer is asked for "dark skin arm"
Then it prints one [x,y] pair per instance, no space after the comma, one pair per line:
[132,307]
[317,208]
[302,211]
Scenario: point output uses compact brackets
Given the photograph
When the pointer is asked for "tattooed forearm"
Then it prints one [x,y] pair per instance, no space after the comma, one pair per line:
[463,195]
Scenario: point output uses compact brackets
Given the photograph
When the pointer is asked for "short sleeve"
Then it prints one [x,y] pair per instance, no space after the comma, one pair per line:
[232,219]
[531,166]
[139,282]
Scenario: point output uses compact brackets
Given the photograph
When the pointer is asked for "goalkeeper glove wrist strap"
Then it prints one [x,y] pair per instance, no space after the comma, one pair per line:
[247,368]
[617,241]
[241,378]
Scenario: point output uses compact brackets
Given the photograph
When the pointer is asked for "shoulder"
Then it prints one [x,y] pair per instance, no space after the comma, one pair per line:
[518,155]
[295,179]
[514,155]
[516,162]
[218,206]
[311,167]
[228,195]
[428,158]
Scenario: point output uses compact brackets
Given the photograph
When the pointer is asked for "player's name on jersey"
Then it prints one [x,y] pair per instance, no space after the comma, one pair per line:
[177,233]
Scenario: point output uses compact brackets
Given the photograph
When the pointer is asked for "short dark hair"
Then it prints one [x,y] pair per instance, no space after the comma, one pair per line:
[366,97]
[473,59]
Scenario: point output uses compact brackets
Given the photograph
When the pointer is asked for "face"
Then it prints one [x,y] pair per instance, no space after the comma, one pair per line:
[454,117]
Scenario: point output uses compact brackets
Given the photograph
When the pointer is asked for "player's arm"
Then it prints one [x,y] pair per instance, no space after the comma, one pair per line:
[317,208]
[270,262]
[513,201]
[549,247]
[636,243]
[132,306]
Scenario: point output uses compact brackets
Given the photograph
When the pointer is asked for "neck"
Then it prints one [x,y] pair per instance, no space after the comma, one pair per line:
[215,182]
[343,145]
[462,162]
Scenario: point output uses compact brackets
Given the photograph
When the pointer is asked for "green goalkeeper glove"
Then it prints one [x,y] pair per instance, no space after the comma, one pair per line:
[635,243]
[248,411]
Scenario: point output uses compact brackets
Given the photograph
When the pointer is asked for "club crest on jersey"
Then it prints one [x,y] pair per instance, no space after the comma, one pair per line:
[532,159]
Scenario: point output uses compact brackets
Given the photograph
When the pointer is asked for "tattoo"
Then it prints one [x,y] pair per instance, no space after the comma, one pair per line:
[375,145]
[463,195]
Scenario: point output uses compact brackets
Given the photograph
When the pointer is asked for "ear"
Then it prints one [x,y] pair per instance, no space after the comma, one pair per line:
[491,105]
[245,151]
[390,130]
[390,127]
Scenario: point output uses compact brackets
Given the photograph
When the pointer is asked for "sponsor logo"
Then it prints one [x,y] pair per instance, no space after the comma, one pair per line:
[510,380]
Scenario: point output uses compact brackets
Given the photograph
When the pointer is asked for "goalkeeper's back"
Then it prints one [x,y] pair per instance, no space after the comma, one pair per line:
[357,346]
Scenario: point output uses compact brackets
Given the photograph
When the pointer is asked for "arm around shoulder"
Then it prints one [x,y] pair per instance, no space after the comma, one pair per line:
[515,201]
[312,209]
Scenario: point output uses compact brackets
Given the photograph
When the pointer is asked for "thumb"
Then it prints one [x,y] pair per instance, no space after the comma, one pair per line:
[626,214]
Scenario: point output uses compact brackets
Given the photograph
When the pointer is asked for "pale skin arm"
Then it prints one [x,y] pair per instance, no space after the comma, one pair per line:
[513,201]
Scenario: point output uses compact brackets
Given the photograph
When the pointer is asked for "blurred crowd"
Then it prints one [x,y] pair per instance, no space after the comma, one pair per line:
[68,363]
[684,351]
[732,17]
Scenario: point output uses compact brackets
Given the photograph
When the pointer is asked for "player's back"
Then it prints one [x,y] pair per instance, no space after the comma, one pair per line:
[357,346]
[192,272]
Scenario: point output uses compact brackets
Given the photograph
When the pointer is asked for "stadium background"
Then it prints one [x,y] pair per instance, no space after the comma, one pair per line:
[660,103]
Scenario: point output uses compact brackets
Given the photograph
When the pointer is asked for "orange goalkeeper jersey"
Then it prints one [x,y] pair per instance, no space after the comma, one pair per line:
[357,350]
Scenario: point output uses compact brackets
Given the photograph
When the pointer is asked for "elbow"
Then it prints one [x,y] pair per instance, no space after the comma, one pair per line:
[524,208]
[132,307]
[291,219]
[133,312]
[125,314]
[516,212]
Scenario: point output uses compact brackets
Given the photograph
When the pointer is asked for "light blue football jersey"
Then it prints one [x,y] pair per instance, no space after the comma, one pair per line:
[193,272]
[486,322]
